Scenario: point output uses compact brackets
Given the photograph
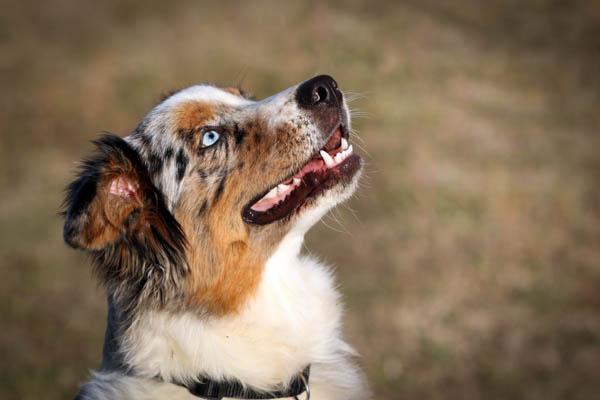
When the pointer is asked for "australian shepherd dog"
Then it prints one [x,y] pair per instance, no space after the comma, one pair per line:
[194,224]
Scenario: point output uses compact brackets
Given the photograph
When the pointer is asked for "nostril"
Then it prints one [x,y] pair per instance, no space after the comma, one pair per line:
[318,92]
[320,95]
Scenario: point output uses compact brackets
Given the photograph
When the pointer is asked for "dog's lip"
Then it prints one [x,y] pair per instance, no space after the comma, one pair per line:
[333,140]
[316,156]
[333,163]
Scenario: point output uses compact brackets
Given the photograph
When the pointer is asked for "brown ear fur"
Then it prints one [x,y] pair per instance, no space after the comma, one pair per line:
[130,232]
[94,217]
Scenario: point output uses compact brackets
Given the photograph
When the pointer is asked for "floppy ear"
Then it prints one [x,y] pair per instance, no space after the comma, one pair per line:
[113,199]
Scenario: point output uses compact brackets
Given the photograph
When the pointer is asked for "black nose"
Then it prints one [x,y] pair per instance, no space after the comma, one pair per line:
[320,90]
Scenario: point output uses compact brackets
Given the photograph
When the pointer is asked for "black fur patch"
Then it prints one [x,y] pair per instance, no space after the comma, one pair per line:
[219,190]
[169,154]
[226,145]
[155,163]
[82,395]
[239,135]
[202,174]
[79,195]
[181,163]
[145,140]
[140,130]
[203,207]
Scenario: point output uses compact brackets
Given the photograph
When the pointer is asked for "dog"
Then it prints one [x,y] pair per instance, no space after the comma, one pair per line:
[194,224]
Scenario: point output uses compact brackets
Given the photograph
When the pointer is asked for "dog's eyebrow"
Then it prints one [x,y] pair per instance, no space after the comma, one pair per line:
[191,114]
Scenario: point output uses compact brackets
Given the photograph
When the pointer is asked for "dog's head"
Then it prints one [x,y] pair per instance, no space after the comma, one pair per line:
[196,199]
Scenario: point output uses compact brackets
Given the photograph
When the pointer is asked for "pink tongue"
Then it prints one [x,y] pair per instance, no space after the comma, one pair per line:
[265,204]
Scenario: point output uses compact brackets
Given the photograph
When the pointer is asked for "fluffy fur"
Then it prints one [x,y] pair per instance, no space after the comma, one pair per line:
[194,290]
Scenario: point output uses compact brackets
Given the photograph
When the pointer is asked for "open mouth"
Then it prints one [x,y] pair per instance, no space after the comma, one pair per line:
[334,163]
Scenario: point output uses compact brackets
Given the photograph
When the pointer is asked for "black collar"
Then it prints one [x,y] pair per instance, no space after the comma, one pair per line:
[209,389]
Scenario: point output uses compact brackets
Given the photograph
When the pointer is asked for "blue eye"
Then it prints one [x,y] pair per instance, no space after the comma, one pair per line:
[209,138]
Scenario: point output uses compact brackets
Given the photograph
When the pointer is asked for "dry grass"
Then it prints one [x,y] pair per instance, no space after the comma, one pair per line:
[472,267]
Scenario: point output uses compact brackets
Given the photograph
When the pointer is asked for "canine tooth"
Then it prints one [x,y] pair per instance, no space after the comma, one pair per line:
[349,150]
[344,144]
[338,158]
[327,158]
[296,181]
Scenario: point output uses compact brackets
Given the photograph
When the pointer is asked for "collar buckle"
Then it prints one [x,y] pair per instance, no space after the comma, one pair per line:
[306,386]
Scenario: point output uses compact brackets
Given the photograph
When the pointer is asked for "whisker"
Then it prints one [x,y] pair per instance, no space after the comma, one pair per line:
[331,227]
[336,214]
[361,147]
[353,212]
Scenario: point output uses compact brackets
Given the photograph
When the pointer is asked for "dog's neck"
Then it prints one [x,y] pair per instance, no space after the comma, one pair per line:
[269,341]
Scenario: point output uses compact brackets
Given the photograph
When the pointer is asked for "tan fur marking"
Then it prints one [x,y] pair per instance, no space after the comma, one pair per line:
[226,261]
[193,114]
[225,267]
[107,211]
[98,231]
[226,256]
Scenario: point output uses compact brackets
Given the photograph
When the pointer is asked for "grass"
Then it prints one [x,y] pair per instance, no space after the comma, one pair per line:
[469,262]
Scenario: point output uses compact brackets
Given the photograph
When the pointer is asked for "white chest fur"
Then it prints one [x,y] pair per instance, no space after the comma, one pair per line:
[293,321]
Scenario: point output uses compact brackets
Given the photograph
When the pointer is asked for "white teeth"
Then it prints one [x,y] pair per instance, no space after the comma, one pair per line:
[346,152]
[281,188]
[331,162]
[344,144]
[327,158]
[272,193]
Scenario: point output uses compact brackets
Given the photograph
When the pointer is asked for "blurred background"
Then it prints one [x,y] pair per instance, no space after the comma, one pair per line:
[470,259]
